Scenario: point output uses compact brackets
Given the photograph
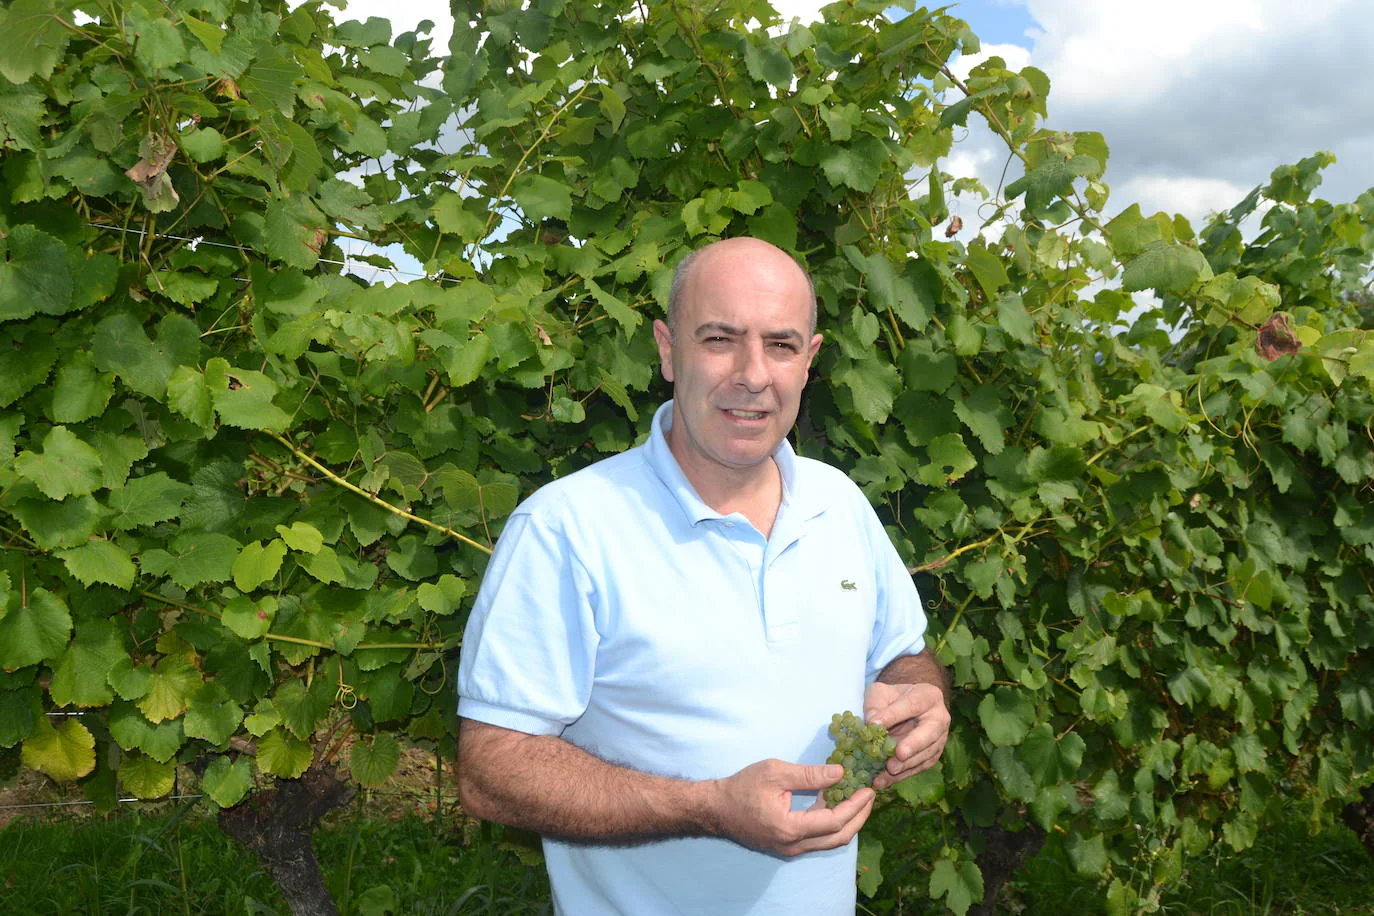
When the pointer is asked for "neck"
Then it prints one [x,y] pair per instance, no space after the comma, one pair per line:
[754,492]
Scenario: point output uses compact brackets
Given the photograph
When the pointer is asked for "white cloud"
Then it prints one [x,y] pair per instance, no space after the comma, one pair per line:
[1131,52]
[806,11]
[1194,96]
[1196,198]
[968,160]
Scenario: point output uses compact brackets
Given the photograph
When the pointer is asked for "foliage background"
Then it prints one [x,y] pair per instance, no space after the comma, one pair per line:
[245,499]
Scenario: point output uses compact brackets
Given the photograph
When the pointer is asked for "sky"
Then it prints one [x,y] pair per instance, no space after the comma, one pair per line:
[1199,100]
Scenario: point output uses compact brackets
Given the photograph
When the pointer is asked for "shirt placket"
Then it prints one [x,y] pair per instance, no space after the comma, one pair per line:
[778,582]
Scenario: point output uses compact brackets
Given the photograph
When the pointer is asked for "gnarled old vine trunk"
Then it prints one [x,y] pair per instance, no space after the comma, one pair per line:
[1002,852]
[1359,817]
[277,825]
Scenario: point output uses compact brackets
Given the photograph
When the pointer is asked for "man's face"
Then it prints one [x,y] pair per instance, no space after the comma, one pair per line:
[738,359]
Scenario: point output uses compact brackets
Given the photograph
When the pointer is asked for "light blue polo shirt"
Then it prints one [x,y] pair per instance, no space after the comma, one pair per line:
[623,614]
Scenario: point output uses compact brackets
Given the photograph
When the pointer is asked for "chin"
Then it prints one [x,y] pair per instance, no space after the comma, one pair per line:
[743,460]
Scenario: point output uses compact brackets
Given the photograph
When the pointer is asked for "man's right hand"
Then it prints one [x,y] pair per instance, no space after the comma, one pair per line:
[754,808]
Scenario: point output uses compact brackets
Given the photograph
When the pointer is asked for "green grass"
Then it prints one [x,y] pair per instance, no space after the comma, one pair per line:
[1287,871]
[131,864]
[144,865]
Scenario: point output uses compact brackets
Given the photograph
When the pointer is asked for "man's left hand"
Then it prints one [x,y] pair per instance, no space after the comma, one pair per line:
[916,716]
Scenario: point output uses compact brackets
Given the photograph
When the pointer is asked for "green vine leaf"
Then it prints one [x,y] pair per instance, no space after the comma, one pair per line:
[32,39]
[1166,268]
[281,754]
[870,864]
[541,198]
[100,561]
[959,882]
[66,466]
[33,632]
[243,398]
[258,563]
[123,347]
[373,763]
[212,714]
[35,274]
[65,752]
[143,777]
[227,782]
[1006,715]
[133,732]
[193,558]
[855,165]
[169,689]
[147,500]
[80,677]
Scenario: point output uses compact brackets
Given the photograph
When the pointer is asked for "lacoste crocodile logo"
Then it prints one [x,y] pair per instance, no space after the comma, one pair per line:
[848,586]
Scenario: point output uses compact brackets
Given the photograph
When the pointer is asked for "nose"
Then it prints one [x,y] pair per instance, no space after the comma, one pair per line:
[751,372]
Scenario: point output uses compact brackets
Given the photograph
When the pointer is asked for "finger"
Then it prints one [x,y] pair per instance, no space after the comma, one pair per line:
[913,702]
[857,808]
[927,735]
[922,760]
[810,777]
[821,820]
[902,729]
[877,696]
[834,826]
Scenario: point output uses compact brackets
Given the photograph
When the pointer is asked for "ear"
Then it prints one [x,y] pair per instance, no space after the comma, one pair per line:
[664,338]
[812,348]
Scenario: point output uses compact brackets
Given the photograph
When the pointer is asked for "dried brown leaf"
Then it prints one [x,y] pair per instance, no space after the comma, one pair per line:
[1275,338]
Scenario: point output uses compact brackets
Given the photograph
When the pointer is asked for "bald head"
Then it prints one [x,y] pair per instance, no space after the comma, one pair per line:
[721,255]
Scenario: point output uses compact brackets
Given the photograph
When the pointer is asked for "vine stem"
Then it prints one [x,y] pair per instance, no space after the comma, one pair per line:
[1098,457]
[524,157]
[954,622]
[375,499]
[1002,132]
[297,640]
[694,38]
[936,564]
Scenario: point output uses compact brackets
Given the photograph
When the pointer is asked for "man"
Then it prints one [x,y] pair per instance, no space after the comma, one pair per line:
[662,638]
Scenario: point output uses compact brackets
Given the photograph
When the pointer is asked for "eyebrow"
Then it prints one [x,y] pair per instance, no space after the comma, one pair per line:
[735,331]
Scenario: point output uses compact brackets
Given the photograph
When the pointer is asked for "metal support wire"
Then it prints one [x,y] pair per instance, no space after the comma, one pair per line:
[87,801]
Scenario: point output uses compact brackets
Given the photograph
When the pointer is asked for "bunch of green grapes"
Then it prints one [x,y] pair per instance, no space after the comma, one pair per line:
[861,749]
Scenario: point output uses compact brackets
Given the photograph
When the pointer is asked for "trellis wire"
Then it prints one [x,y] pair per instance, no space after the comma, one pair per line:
[87,801]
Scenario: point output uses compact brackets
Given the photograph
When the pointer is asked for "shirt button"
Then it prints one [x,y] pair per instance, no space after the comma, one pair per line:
[729,524]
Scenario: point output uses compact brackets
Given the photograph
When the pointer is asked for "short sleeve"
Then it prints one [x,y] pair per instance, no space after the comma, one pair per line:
[900,624]
[530,644]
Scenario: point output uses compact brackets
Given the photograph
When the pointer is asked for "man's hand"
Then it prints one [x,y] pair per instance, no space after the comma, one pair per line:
[754,808]
[916,716]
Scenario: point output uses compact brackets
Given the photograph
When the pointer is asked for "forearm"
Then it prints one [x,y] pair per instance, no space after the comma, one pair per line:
[922,668]
[552,787]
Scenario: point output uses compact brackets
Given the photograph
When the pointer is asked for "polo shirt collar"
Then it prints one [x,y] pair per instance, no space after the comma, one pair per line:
[665,465]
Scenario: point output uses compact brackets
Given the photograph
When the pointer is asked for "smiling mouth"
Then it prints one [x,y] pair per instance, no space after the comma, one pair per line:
[747,414]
